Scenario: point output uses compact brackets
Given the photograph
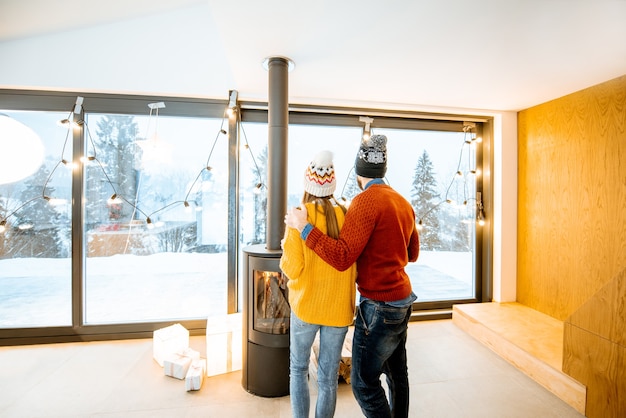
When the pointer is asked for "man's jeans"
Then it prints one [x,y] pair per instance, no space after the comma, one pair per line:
[379,346]
[301,337]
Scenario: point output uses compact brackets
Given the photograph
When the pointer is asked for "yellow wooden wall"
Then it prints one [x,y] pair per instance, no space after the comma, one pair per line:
[572,198]
[594,349]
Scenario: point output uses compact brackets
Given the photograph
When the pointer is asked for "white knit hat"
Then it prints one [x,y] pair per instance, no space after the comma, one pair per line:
[319,177]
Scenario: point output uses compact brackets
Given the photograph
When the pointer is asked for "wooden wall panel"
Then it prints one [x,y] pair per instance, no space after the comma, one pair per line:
[604,314]
[594,349]
[600,365]
[572,198]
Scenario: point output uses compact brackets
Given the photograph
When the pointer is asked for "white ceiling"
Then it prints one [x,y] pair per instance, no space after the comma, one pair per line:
[482,54]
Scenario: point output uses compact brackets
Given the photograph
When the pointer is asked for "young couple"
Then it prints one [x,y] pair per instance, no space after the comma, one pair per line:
[326,250]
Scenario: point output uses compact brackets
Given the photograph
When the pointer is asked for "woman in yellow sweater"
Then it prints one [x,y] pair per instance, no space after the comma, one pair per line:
[321,297]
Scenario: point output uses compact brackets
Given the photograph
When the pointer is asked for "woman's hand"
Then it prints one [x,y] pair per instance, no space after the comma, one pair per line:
[296,218]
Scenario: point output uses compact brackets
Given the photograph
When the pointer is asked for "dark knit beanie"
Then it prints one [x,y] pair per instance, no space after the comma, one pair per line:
[371,161]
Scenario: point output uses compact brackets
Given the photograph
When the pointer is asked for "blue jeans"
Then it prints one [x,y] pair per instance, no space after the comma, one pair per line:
[301,337]
[379,346]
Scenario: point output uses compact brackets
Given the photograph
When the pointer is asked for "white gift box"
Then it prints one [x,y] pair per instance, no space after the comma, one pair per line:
[169,340]
[195,375]
[223,344]
[176,366]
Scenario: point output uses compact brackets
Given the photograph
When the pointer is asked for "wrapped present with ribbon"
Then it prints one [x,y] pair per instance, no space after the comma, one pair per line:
[176,365]
[195,375]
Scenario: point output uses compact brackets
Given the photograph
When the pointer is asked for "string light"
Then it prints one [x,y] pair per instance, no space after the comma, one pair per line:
[259,185]
[420,223]
[74,114]
[72,121]
[231,110]
[470,139]
[3,222]
[206,167]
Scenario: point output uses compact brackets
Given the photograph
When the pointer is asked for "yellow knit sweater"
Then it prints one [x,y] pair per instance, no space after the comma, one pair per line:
[318,293]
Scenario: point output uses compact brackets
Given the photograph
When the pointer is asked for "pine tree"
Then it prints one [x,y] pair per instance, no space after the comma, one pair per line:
[5,211]
[426,202]
[351,188]
[39,235]
[115,152]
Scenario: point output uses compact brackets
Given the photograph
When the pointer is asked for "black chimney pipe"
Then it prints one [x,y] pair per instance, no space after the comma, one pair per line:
[278,122]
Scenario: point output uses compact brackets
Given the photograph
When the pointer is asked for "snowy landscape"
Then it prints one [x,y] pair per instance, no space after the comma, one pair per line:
[36,292]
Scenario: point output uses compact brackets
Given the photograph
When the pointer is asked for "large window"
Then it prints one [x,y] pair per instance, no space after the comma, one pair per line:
[137,212]
[436,170]
[35,245]
[155,218]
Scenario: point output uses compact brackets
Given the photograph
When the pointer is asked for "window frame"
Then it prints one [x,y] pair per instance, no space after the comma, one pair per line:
[30,100]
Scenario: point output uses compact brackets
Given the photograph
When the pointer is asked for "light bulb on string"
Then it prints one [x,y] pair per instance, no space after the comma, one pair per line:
[69,164]
[3,221]
[70,123]
[114,199]
[55,201]
[367,121]
[481,218]
[231,109]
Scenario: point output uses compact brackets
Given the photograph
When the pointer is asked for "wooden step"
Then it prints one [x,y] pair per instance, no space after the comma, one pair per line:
[528,339]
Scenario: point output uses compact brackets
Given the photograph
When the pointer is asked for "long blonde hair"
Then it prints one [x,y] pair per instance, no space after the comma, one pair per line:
[326,202]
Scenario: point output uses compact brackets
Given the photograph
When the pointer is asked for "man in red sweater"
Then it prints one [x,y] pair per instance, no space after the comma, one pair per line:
[380,234]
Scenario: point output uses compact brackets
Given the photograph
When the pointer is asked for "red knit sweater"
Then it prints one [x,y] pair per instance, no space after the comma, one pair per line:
[380,234]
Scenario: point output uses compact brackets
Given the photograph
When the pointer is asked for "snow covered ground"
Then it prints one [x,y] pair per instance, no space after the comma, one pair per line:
[36,292]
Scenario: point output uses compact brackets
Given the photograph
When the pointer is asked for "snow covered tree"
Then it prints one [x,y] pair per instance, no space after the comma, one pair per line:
[114,149]
[426,202]
[38,235]
[350,189]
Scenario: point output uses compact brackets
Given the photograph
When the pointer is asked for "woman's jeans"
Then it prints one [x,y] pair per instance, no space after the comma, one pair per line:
[301,337]
[379,346]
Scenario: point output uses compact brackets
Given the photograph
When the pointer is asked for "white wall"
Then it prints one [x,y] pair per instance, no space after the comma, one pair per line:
[505,208]
[140,56]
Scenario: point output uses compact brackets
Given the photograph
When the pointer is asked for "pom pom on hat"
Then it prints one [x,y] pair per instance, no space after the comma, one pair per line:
[319,176]
[371,160]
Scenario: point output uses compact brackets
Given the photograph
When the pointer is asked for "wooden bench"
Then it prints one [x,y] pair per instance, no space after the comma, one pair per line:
[528,339]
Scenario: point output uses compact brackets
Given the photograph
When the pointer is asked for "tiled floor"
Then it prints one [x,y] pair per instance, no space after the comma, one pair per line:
[451,375]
